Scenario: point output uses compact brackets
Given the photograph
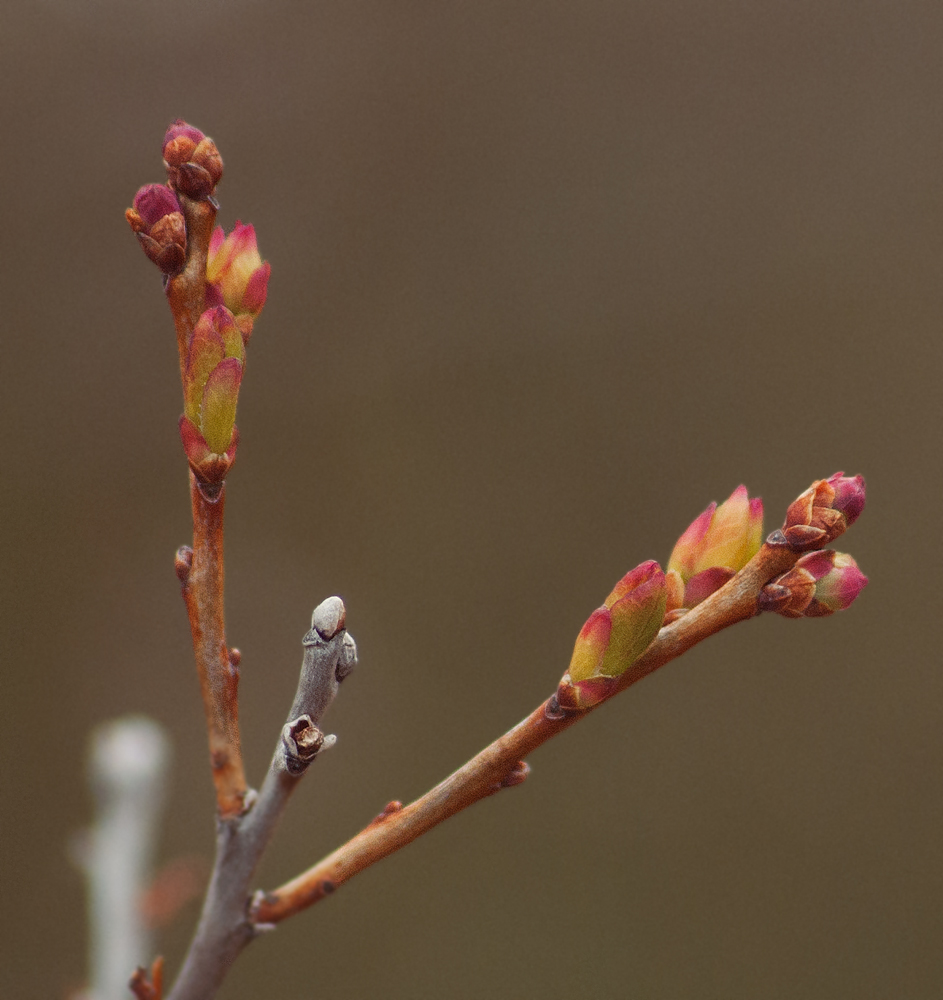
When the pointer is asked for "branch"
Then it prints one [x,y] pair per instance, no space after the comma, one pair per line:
[186,292]
[500,765]
[200,570]
[224,928]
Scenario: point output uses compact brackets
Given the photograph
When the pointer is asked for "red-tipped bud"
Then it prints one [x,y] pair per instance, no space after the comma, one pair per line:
[849,495]
[714,547]
[824,511]
[821,583]
[614,637]
[158,223]
[235,273]
[194,166]
[211,381]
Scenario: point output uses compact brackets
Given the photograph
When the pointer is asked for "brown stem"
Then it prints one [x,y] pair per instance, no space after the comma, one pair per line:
[499,764]
[203,577]
[217,669]
[186,292]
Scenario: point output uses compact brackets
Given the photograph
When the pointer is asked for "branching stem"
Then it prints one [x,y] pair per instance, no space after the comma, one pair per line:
[499,765]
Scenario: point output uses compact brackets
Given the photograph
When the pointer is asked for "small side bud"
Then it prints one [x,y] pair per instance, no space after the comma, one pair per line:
[820,584]
[157,221]
[614,637]
[823,512]
[183,563]
[715,546]
[302,741]
[194,166]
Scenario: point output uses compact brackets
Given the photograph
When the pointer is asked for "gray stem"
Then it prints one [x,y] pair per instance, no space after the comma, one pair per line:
[225,927]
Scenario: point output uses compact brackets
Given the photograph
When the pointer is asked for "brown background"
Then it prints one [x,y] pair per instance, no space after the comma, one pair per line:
[547,278]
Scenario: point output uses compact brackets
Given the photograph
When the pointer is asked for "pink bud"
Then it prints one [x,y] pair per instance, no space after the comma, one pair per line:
[821,583]
[849,495]
[823,511]
[194,166]
[717,544]
[614,637]
[838,581]
[159,225]
[235,273]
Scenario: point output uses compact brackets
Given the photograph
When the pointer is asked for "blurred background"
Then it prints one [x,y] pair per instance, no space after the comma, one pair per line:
[547,279]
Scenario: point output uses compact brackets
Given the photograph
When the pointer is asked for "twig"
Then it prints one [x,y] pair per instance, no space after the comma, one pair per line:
[201,573]
[186,292]
[200,569]
[225,928]
[501,764]
[128,768]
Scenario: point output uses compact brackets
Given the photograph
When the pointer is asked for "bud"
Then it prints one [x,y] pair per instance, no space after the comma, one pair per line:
[824,511]
[715,546]
[194,166]
[158,223]
[614,637]
[235,274]
[821,583]
[214,367]
[849,495]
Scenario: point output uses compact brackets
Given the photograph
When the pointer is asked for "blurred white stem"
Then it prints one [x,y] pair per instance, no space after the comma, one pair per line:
[128,765]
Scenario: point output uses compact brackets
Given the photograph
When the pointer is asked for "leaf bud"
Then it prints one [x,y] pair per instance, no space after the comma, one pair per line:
[614,637]
[212,377]
[236,275]
[715,546]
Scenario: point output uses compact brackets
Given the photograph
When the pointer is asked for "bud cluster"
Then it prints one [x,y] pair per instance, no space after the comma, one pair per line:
[714,548]
[228,298]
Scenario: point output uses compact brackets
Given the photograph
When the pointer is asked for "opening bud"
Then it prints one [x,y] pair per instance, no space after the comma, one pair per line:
[821,583]
[614,637]
[236,275]
[824,511]
[194,166]
[158,223]
[715,546]
[211,381]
